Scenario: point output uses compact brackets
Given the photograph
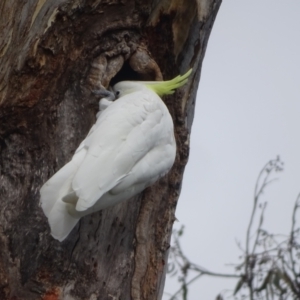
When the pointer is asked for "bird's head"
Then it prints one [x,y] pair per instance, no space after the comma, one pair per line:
[107,98]
[159,87]
[123,88]
[103,93]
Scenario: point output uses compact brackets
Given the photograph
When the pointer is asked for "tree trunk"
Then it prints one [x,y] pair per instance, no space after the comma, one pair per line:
[52,55]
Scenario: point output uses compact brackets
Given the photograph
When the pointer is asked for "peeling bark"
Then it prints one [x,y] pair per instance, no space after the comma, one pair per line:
[52,55]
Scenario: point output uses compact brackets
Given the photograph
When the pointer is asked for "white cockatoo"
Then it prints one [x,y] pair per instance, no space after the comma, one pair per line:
[130,146]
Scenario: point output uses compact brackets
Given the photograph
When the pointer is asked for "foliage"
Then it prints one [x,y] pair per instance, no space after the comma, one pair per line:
[270,267]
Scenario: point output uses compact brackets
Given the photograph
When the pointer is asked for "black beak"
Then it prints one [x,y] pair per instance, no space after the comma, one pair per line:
[105,94]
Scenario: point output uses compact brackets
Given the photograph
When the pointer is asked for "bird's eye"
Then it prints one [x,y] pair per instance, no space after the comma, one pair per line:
[117,93]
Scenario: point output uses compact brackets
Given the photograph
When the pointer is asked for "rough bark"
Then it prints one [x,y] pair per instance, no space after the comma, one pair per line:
[52,55]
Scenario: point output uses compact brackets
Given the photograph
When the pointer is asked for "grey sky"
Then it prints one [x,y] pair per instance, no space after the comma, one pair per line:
[248,111]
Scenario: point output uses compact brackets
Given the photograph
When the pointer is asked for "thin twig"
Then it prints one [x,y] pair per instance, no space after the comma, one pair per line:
[206,272]
[259,227]
[188,283]
[268,168]
[296,206]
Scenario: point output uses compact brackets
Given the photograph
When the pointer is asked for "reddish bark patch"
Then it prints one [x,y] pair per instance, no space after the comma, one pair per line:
[53,294]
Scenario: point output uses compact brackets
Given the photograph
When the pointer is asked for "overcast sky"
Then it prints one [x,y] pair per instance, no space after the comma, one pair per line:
[247,112]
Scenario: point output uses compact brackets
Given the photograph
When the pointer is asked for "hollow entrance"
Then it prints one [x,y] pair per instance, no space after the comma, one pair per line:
[126,73]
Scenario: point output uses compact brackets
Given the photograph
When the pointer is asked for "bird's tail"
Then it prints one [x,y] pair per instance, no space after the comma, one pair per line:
[56,187]
[169,86]
[52,192]
[60,221]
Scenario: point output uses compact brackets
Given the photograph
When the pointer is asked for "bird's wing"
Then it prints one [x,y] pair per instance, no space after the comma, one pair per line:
[155,164]
[123,135]
[160,155]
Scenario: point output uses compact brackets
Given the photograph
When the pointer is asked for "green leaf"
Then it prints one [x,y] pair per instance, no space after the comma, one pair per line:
[239,285]
[287,279]
[180,231]
[276,281]
[265,282]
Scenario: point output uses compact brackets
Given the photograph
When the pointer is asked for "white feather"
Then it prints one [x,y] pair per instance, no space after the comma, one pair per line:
[131,146]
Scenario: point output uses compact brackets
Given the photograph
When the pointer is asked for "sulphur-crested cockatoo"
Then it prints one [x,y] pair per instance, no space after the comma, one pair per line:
[130,147]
